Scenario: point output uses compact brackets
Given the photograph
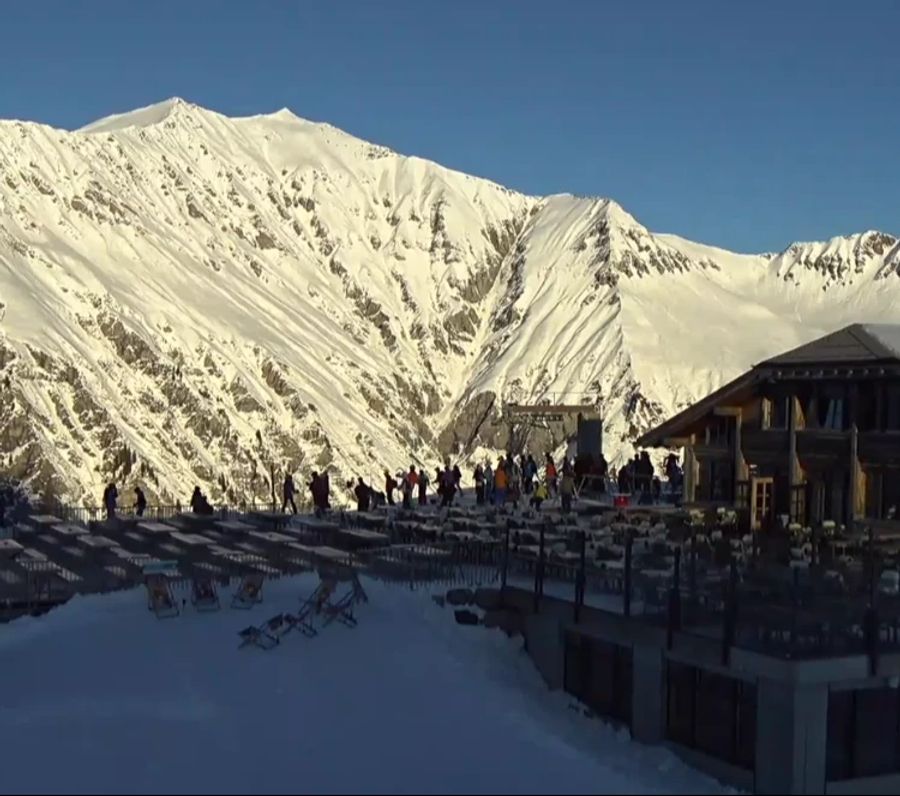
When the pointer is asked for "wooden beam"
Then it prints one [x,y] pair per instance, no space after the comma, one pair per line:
[676,442]
[727,411]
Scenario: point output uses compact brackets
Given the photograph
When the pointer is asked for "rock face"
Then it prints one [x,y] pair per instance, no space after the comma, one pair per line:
[190,299]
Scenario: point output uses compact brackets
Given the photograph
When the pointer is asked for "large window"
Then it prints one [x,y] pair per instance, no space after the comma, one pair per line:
[599,673]
[711,713]
[863,734]
[883,493]
[720,431]
[892,407]
[716,480]
[776,412]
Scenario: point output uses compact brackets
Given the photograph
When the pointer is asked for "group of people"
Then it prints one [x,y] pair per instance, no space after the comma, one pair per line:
[512,479]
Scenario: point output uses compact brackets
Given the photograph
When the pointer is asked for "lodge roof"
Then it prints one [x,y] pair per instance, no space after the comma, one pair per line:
[858,344]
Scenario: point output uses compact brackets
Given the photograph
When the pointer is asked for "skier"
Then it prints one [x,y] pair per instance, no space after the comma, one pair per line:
[140,502]
[550,474]
[540,495]
[363,495]
[448,484]
[423,488]
[567,488]
[406,489]
[110,496]
[288,494]
[479,485]
[501,479]
[531,471]
[389,486]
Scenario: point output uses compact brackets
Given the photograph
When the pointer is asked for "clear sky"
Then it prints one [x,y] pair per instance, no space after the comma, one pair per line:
[746,125]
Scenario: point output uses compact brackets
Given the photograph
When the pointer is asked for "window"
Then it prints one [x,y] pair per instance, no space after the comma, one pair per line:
[834,414]
[598,673]
[883,493]
[776,412]
[720,431]
[712,713]
[863,737]
[892,408]
[716,480]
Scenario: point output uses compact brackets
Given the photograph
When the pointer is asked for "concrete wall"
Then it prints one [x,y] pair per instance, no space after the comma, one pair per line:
[792,696]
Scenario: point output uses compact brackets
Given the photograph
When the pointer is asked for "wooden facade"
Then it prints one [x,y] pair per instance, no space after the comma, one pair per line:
[808,436]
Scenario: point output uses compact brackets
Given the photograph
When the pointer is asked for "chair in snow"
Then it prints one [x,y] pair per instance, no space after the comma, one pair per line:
[204,595]
[268,634]
[159,596]
[249,593]
[342,608]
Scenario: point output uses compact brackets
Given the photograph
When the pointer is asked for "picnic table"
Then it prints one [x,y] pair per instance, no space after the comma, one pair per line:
[68,529]
[10,548]
[45,519]
[272,536]
[235,526]
[97,541]
[193,539]
[151,526]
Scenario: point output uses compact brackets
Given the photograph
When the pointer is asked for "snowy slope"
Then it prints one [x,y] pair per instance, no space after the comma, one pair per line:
[191,298]
[408,702]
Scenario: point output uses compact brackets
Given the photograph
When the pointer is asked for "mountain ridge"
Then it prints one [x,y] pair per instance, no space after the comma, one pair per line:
[199,298]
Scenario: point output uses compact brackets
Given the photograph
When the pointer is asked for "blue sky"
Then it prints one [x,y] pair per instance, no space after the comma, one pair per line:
[746,125]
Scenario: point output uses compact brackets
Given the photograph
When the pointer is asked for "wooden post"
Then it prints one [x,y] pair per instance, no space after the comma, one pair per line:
[738,457]
[626,582]
[580,577]
[792,455]
[690,472]
[854,492]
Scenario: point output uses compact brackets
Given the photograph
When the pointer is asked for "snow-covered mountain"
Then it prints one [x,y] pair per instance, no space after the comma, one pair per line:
[190,298]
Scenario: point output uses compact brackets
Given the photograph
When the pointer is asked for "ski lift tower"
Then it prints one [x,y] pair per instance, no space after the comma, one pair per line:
[558,408]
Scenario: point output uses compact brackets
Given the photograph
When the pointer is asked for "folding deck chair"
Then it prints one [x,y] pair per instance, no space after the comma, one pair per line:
[342,608]
[160,599]
[249,593]
[204,596]
[267,635]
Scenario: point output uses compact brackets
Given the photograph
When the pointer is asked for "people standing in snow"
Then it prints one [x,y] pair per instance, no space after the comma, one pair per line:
[199,503]
[318,487]
[423,487]
[390,484]
[550,474]
[567,488]
[531,472]
[140,502]
[488,483]
[539,496]
[110,496]
[363,493]
[457,477]
[501,480]
[439,483]
[478,477]
[448,484]
[287,491]
[406,489]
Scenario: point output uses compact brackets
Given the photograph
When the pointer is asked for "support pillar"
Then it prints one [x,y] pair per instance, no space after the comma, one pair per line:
[648,695]
[791,737]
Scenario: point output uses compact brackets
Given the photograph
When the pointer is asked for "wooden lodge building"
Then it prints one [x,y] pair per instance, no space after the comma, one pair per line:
[812,434]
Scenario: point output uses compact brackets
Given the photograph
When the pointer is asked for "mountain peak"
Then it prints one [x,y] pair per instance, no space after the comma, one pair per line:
[140,117]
